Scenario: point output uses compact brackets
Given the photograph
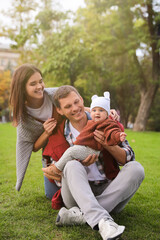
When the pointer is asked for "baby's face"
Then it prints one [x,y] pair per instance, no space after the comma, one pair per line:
[98,114]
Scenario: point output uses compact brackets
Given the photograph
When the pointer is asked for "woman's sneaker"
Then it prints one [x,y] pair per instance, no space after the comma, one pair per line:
[109,230]
[72,216]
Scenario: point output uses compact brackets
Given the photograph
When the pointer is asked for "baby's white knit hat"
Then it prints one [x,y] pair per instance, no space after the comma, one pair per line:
[103,102]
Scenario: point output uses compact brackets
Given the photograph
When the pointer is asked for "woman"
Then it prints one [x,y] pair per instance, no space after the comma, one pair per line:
[33,111]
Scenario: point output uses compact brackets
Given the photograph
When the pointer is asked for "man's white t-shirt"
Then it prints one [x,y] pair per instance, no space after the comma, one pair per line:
[92,170]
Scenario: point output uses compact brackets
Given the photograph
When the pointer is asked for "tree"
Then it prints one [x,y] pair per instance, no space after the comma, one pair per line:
[153,123]
[112,60]
[98,51]
[66,55]
[23,30]
[20,14]
[149,85]
[136,24]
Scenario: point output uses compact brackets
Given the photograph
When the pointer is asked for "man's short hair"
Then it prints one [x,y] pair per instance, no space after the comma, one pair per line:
[63,92]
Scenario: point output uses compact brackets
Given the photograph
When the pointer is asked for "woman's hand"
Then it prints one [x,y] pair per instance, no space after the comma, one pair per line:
[87,109]
[52,172]
[89,160]
[114,115]
[49,125]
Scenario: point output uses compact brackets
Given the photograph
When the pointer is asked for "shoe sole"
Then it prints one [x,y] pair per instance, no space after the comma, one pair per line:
[58,223]
[117,236]
[61,219]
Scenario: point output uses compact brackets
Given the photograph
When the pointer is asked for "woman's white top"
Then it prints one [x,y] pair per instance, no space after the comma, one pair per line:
[44,112]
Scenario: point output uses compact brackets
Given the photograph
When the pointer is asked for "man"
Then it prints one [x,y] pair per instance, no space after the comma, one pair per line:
[88,193]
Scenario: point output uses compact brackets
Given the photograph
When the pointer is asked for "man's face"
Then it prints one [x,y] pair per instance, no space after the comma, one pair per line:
[72,107]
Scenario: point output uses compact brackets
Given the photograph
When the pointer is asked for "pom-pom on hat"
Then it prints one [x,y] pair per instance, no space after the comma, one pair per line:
[103,102]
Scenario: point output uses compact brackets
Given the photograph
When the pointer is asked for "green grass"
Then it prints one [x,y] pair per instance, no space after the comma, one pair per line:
[28,214]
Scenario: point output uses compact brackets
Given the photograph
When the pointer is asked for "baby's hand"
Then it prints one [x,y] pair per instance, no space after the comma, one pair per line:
[122,136]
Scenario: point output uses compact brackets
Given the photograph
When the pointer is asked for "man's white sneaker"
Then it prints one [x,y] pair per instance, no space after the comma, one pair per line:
[109,230]
[72,216]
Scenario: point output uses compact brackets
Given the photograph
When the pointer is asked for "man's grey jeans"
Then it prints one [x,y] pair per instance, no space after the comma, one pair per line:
[76,190]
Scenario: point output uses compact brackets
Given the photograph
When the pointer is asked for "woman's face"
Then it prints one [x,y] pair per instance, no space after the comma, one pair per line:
[35,87]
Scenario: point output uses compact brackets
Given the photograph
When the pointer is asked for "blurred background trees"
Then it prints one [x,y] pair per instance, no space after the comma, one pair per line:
[108,45]
[5,79]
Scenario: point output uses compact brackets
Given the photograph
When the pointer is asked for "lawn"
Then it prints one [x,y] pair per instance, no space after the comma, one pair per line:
[28,214]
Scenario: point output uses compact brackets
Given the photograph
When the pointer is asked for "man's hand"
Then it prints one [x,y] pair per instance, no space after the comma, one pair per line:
[49,125]
[100,137]
[116,151]
[52,172]
[89,160]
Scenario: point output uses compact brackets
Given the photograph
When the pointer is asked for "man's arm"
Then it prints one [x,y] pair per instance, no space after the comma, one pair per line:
[121,154]
[118,153]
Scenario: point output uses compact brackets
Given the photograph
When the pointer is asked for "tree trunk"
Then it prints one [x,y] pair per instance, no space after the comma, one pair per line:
[144,109]
[148,93]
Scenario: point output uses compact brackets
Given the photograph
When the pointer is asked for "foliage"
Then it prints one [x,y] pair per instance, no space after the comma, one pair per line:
[66,55]
[28,215]
[5,79]
[112,54]
[22,28]
[95,49]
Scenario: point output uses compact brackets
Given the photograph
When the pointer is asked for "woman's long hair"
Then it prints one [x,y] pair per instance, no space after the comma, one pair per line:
[18,91]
